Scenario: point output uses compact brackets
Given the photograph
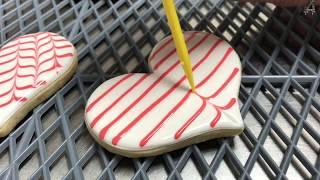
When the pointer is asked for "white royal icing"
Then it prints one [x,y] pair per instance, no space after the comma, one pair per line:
[28,64]
[146,111]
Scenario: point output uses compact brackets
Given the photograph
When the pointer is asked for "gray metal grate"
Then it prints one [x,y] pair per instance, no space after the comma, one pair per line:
[280,93]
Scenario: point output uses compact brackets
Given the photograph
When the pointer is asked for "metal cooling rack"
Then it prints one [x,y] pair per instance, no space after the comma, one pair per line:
[280,94]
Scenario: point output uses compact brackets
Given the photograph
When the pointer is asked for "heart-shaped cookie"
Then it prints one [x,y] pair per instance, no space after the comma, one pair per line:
[148,114]
[32,67]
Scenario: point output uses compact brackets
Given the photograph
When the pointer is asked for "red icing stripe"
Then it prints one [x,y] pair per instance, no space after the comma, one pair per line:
[216,119]
[35,34]
[145,140]
[8,47]
[8,61]
[190,120]
[13,98]
[228,106]
[46,43]
[224,85]
[24,87]
[43,38]
[219,108]
[161,61]
[7,92]
[94,122]
[108,91]
[167,43]
[64,55]
[9,70]
[53,67]
[8,54]
[224,58]
[160,49]
[6,80]
[25,75]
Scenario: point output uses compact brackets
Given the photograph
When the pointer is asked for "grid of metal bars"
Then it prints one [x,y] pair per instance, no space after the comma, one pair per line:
[279,95]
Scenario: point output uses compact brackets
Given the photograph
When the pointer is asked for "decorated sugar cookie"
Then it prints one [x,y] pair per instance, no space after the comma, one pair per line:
[32,67]
[138,115]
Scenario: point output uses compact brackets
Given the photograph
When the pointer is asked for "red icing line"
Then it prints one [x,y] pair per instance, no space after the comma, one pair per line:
[228,106]
[167,43]
[24,87]
[24,75]
[35,34]
[190,120]
[219,108]
[8,54]
[94,122]
[7,80]
[7,92]
[46,43]
[52,48]
[8,61]
[8,47]
[8,71]
[224,85]
[145,140]
[13,98]
[216,67]
[216,119]
[108,91]
[43,38]
[160,49]
[64,55]
[174,51]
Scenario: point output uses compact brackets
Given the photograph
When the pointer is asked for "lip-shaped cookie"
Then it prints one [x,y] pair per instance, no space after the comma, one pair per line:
[139,114]
[32,67]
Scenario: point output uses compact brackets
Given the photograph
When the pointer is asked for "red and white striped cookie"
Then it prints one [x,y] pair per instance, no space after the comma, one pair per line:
[148,114]
[32,67]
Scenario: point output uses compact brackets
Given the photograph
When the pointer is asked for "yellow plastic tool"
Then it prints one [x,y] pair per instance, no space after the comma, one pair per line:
[178,39]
